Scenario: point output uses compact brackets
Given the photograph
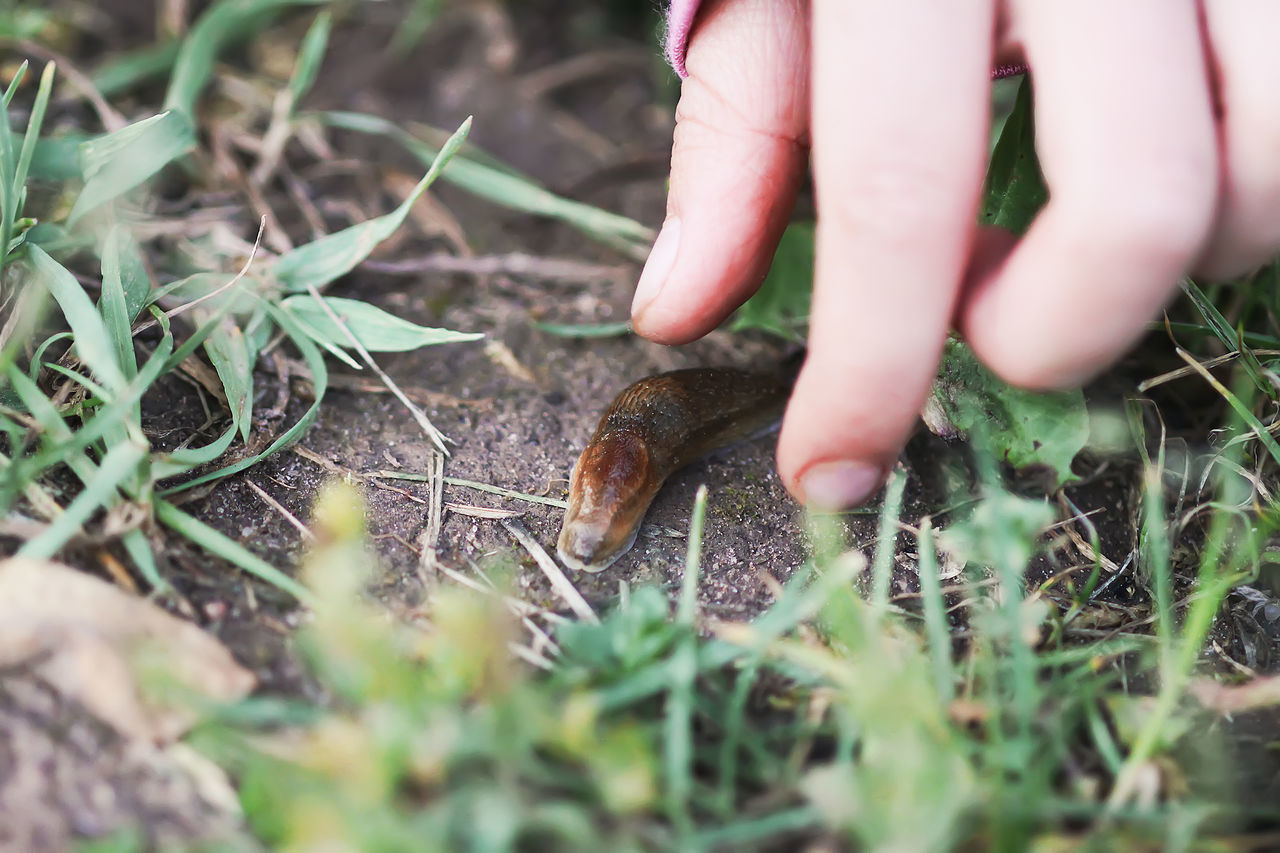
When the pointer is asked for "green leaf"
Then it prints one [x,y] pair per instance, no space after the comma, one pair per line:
[94,344]
[117,162]
[376,330]
[1021,427]
[781,305]
[229,353]
[1015,189]
[321,261]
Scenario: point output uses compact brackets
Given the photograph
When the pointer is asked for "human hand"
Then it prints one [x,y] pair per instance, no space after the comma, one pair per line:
[1158,132]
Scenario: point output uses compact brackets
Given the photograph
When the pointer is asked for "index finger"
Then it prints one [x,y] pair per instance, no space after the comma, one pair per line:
[899,127]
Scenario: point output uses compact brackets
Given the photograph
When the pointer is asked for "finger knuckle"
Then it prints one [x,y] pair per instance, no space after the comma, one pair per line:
[1160,206]
[891,202]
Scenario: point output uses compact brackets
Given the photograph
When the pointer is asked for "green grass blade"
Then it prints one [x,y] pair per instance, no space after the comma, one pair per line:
[106,418]
[176,462]
[584,330]
[123,70]
[228,549]
[12,88]
[139,550]
[678,725]
[57,433]
[375,329]
[1230,337]
[935,615]
[886,539]
[32,136]
[320,381]
[510,191]
[1155,552]
[93,342]
[229,353]
[223,23]
[310,56]
[113,303]
[119,161]
[101,490]
[1251,420]
[8,169]
[321,261]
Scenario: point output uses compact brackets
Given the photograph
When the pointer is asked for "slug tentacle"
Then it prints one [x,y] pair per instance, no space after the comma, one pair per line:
[652,429]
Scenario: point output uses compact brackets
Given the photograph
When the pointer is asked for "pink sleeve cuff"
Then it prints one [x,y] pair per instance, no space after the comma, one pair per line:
[679,22]
[680,15]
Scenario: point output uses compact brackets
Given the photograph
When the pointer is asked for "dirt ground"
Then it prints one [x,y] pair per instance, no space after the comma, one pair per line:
[581,102]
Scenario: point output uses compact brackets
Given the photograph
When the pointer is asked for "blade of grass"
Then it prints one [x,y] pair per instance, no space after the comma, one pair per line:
[375,329]
[935,617]
[57,434]
[310,56]
[678,723]
[119,161]
[93,342]
[1225,332]
[32,136]
[1250,419]
[117,411]
[321,261]
[886,539]
[139,550]
[229,550]
[223,23]
[516,193]
[586,330]
[8,169]
[113,305]
[100,491]
[229,354]
[123,70]
[12,88]
[420,417]
[319,379]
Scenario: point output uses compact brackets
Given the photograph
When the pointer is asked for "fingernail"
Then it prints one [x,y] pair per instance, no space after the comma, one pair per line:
[662,257]
[839,485]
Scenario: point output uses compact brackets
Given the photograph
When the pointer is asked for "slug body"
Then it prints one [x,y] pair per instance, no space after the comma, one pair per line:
[651,430]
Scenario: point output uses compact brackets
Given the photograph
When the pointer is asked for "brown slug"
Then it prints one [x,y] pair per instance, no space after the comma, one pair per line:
[652,429]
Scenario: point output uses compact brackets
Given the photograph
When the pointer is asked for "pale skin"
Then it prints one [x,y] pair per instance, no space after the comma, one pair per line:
[1158,131]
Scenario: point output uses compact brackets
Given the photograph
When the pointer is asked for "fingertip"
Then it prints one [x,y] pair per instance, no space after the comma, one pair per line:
[836,484]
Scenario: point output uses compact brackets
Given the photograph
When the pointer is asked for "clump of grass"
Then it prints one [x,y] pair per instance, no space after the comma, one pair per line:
[828,717]
[73,401]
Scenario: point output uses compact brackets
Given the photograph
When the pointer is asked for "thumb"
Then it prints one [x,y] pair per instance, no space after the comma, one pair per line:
[741,147]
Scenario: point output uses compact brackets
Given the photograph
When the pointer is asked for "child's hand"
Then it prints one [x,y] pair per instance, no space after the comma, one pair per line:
[1148,181]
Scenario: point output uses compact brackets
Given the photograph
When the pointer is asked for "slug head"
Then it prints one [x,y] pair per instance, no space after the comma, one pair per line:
[609,492]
